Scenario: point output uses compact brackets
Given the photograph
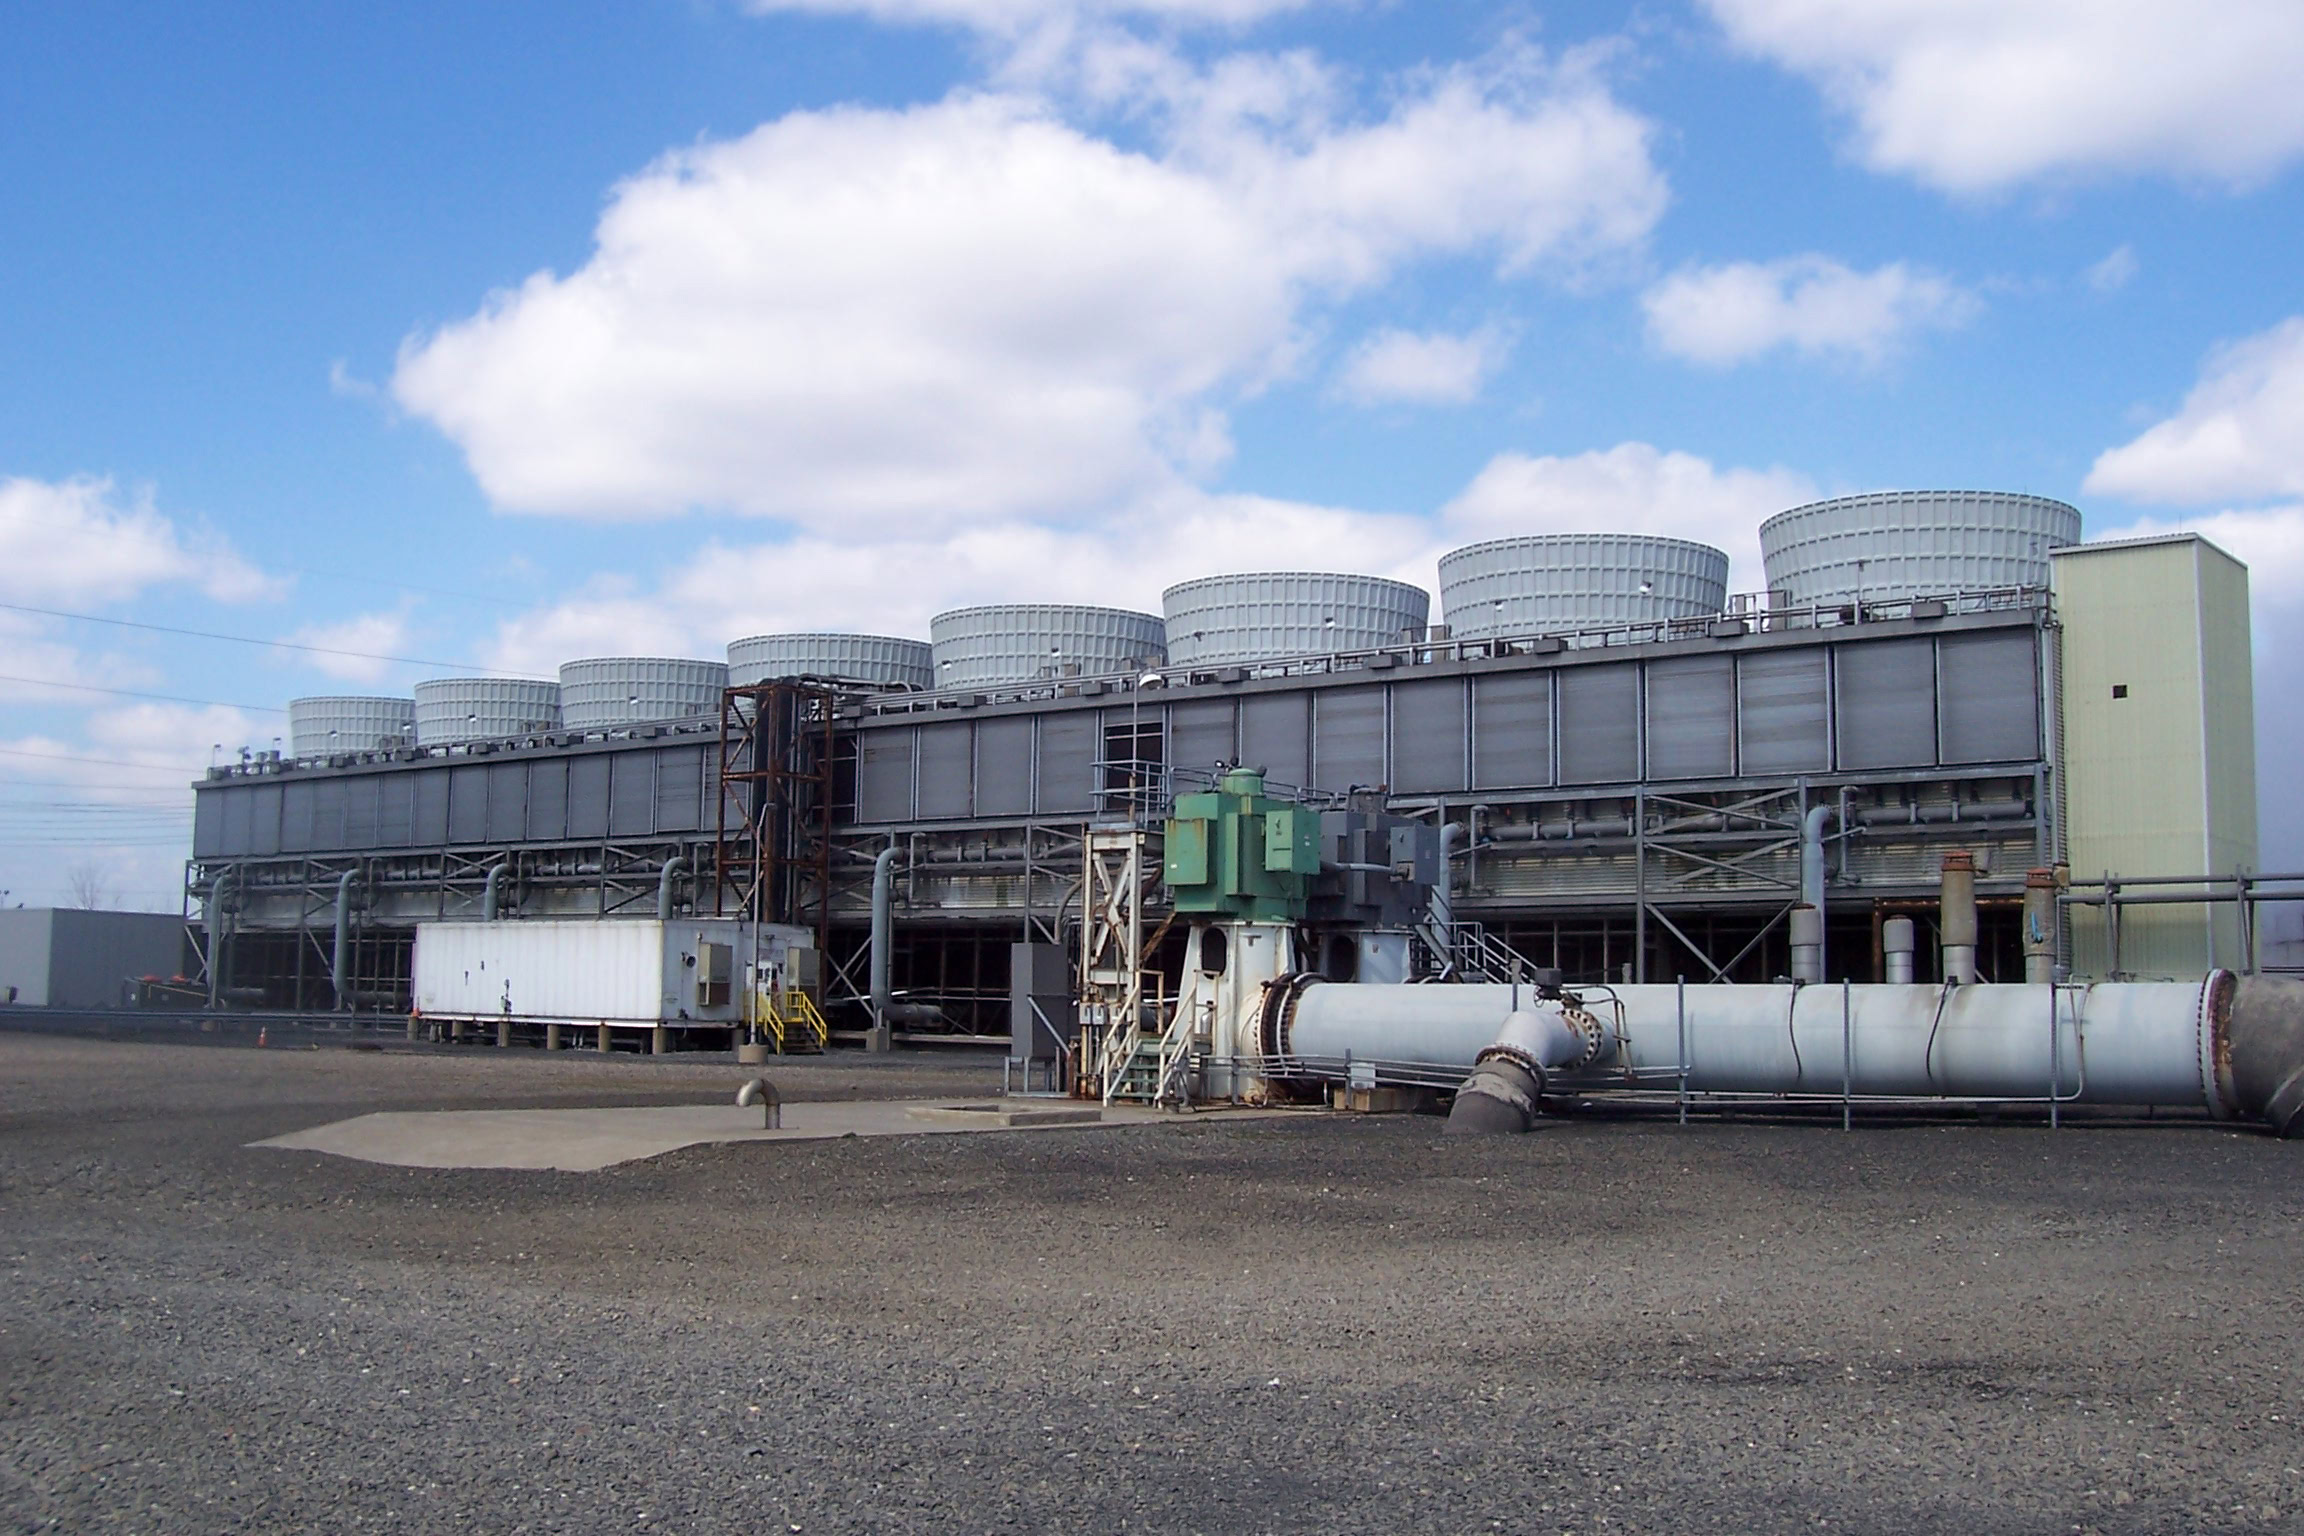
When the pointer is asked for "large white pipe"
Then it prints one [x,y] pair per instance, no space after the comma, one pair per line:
[2112,1043]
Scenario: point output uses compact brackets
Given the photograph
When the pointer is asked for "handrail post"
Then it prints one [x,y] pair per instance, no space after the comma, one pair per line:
[1847,1058]
[1680,996]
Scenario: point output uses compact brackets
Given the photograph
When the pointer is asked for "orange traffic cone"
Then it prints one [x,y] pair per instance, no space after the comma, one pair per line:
[262,1031]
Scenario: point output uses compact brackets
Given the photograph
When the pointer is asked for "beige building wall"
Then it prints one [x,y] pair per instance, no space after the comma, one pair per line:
[2158,741]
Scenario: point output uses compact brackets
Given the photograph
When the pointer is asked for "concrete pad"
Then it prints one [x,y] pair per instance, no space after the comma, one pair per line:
[1002,1116]
[585,1140]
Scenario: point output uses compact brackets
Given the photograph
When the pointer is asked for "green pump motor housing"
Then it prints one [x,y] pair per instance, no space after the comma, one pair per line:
[1232,852]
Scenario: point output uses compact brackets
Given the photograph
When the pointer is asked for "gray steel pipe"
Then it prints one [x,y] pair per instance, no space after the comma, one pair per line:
[491,894]
[1811,894]
[1956,919]
[2130,1043]
[340,957]
[1807,933]
[1896,942]
[221,897]
[1505,1090]
[674,867]
[885,1009]
[2040,925]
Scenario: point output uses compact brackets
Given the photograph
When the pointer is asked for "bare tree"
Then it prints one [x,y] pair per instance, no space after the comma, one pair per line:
[88,886]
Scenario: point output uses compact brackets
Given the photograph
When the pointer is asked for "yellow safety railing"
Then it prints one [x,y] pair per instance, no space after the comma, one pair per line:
[790,1019]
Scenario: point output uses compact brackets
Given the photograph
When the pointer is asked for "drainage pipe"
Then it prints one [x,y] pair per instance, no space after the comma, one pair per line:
[340,958]
[2129,1043]
[1897,944]
[674,867]
[885,1009]
[1956,897]
[491,894]
[2040,925]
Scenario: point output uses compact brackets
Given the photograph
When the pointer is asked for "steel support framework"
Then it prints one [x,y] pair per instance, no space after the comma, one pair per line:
[773,854]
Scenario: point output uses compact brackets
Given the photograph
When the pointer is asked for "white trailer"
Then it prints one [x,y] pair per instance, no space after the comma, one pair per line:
[601,973]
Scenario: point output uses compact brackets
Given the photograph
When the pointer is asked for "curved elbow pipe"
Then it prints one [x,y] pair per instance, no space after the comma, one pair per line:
[1812,855]
[491,895]
[885,1008]
[674,868]
[1502,1095]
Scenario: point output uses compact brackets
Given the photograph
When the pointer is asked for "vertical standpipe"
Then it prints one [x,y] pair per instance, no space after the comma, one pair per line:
[1897,944]
[1956,897]
[2040,926]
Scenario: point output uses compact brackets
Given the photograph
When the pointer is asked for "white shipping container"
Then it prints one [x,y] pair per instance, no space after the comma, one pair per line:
[595,971]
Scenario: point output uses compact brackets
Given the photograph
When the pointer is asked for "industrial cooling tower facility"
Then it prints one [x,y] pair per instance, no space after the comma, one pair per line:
[1617,1052]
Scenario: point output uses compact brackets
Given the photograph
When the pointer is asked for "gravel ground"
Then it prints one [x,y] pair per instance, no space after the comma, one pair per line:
[1297,1324]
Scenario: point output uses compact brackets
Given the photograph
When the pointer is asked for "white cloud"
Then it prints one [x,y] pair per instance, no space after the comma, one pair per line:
[2239,435]
[1979,95]
[975,312]
[353,648]
[2115,272]
[78,541]
[1630,488]
[1428,368]
[1721,316]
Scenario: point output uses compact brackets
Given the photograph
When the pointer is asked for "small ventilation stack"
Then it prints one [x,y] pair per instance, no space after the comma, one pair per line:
[329,723]
[1565,583]
[1025,642]
[878,661]
[607,691]
[1893,545]
[1265,615]
[450,710]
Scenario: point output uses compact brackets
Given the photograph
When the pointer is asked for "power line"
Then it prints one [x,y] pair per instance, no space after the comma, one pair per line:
[109,762]
[278,645]
[128,693]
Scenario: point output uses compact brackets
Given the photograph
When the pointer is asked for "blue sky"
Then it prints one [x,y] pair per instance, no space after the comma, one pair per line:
[497,336]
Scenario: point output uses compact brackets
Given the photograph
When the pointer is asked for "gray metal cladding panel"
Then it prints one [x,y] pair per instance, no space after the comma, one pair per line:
[239,835]
[1275,735]
[680,789]
[363,809]
[1348,738]
[1600,723]
[507,802]
[468,803]
[264,819]
[947,768]
[1886,703]
[295,819]
[632,794]
[396,810]
[328,801]
[1512,731]
[431,808]
[1203,733]
[588,782]
[547,815]
[884,775]
[208,823]
[1069,744]
[1784,710]
[1692,717]
[1428,737]
[1004,766]
[1988,697]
